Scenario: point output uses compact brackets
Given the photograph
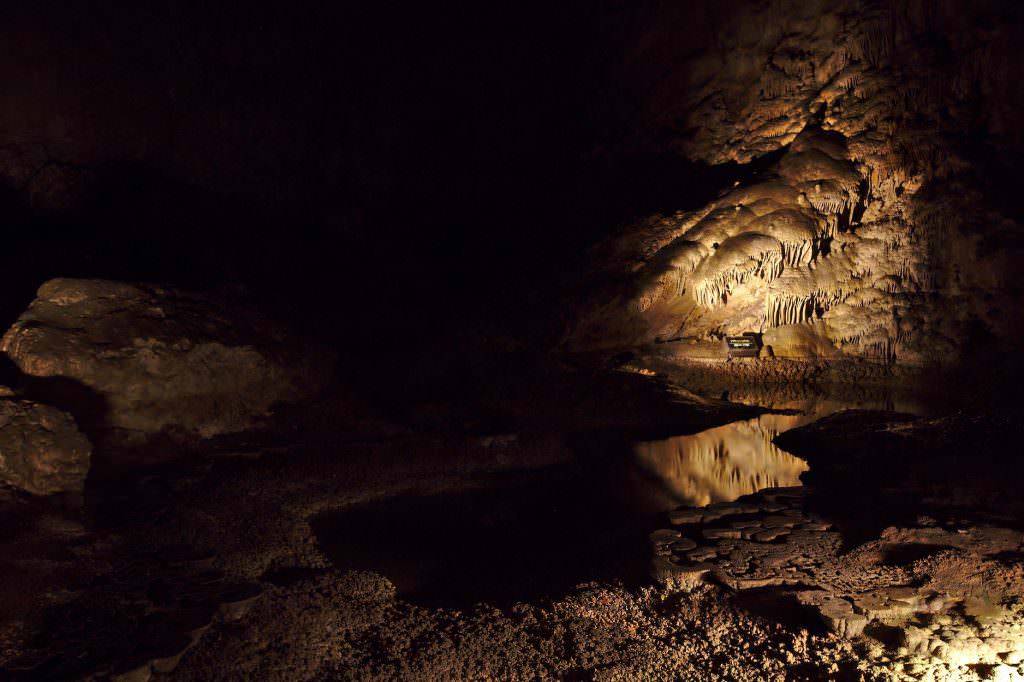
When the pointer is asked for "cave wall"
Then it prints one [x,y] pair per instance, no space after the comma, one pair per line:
[881,231]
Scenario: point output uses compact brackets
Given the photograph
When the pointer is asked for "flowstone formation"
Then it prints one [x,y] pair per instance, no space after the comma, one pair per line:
[871,236]
[150,359]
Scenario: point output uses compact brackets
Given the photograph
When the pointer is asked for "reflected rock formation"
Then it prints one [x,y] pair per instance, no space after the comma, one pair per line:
[726,462]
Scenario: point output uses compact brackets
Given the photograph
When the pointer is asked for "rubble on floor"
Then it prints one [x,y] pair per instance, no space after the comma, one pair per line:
[920,598]
[41,449]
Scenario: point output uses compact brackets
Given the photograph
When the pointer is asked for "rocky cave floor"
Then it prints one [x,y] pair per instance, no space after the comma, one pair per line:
[208,566]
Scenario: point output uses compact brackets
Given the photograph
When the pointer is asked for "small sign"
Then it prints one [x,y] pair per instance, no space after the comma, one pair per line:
[745,346]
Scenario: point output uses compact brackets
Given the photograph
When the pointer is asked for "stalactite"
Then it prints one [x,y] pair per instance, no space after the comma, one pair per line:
[776,83]
[795,254]
[642,303]
[766,266]
[830,202]
[784,309]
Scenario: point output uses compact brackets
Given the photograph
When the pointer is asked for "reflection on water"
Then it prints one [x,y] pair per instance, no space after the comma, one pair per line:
[539,532]
[721,464]
[726,462]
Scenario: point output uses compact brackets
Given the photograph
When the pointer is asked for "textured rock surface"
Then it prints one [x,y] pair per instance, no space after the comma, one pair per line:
[41,448]
[905,539]
[943,597]
[159,358]
[871,235]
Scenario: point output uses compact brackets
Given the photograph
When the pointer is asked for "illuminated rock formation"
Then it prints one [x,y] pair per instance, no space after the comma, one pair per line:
[947,594]
[163,359]
[869,230]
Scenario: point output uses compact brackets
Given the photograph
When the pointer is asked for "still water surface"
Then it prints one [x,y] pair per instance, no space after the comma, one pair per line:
[726,462]
[535,534]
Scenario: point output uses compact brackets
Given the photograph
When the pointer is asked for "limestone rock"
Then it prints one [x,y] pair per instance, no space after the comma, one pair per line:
[41,449]
[679,576]
[159,359]
[836,613]
[889,605]
[846,245]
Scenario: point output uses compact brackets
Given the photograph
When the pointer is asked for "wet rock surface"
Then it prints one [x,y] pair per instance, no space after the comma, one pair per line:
[145,358]
[41,449]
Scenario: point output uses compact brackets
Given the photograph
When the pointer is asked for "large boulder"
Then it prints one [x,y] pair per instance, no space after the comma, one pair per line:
[158,359]
[41,449]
